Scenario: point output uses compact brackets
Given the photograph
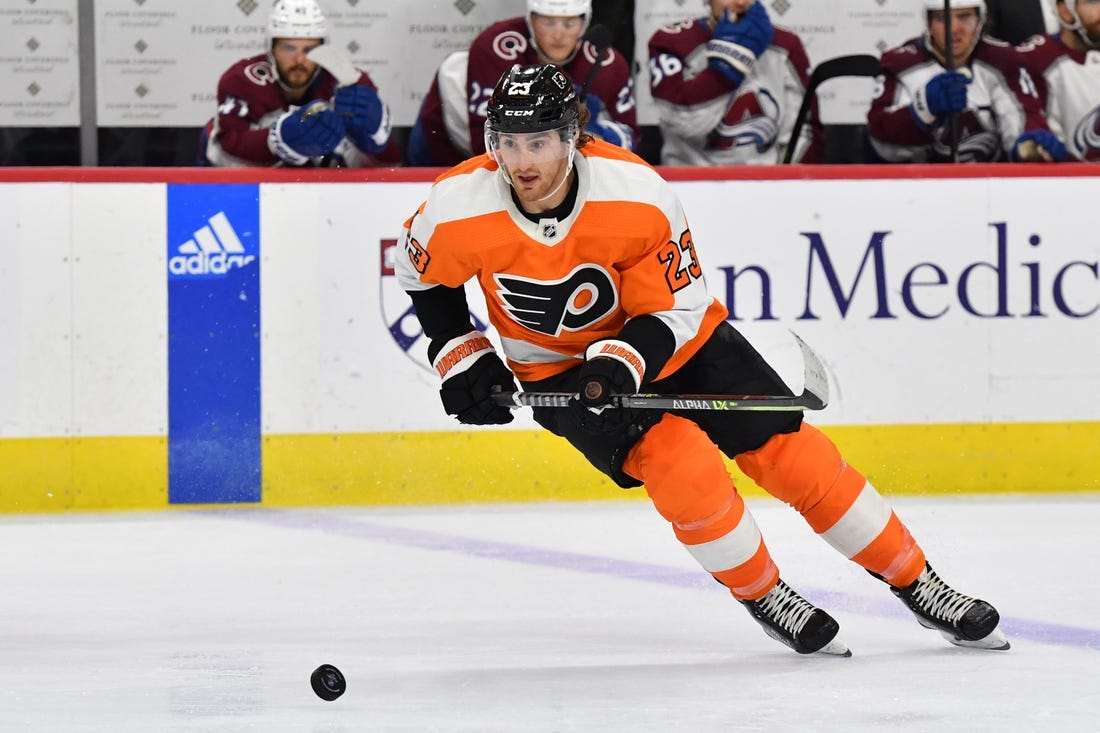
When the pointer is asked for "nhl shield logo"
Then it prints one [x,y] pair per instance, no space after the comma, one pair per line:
[398,314]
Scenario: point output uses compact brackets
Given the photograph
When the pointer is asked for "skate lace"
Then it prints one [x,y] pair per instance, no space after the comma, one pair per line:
[788,609]
[938,599]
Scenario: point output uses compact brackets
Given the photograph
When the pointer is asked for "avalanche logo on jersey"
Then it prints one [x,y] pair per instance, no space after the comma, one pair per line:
[1086,138]
[976,141]
[752,119]
[399,316]
[581,299]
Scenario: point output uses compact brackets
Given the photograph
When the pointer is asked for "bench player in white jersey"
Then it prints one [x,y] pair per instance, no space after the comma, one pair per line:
[727,88]
[450,126]
[1065,70]
[916,97]
[593,282]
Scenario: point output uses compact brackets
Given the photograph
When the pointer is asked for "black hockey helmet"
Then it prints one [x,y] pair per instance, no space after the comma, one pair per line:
[532,99]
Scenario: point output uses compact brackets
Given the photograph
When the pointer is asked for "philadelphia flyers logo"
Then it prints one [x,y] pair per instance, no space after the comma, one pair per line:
[581,299]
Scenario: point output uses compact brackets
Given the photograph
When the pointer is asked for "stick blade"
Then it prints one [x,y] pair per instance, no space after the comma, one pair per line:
[335,62]
[817,381]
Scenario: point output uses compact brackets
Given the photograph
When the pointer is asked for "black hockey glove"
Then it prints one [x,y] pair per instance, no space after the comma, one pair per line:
[472,372]
[611,368]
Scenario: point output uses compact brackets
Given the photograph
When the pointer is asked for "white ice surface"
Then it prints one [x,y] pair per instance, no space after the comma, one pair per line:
[546,617]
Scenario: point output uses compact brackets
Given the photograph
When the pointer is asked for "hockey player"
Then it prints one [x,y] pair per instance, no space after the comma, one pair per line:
[1065,69]
[918,100]
[593,282]
[728,87]
[451,124]
[281,108]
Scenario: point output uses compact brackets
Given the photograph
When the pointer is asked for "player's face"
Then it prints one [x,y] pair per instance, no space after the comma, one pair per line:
[1088,11]
[965,23]
[557,36]
[735,7]
[536,163]
[294,66]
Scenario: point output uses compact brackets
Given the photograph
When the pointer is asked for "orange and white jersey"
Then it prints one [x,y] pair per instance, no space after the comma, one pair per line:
[553,287]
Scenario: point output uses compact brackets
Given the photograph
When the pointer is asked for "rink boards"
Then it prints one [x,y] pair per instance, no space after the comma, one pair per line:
[183,337]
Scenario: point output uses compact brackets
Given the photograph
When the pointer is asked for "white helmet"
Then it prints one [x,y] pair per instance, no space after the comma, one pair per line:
[296,19]
[563,8]
[1071,6]
[957,5]
[560,7]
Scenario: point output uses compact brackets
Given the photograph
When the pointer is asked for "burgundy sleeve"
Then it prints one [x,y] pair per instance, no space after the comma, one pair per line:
[897,126]
[667,60]
[615,88]
[240,107]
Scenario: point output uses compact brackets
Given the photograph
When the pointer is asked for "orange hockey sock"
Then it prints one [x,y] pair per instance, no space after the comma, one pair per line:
[806,470]
[687,480]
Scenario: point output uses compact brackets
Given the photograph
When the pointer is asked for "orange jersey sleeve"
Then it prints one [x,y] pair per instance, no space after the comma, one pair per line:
[554,286]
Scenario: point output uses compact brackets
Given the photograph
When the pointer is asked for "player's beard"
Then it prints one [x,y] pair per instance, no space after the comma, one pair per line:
[296,77]
[536,188]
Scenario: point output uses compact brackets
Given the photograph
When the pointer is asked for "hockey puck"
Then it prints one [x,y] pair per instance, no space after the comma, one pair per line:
[327,682]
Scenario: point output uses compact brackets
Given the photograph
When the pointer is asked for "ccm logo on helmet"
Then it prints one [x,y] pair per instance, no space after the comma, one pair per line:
[518,112]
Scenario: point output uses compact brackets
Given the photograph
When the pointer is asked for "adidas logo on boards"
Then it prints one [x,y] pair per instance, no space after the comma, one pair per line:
[215,249]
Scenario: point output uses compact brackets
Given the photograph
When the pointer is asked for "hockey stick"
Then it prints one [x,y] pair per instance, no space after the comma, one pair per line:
[336,62]
[949,56]
[600,38]
[814,396]
[860,64]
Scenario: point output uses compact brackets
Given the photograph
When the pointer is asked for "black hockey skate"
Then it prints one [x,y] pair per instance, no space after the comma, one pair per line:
[788,617]
[962,620]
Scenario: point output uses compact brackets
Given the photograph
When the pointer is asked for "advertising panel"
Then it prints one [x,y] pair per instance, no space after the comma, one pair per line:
[158,61]
[39,67]
[213,344]
[151,360]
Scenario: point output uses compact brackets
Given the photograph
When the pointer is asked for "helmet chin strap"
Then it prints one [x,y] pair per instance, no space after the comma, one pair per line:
[564,178]
[1083,33]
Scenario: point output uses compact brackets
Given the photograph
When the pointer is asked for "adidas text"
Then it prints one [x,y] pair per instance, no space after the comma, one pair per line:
[205,263]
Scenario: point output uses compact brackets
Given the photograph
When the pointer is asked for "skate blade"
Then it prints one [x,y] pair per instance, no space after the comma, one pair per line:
[996,640]
[835,648]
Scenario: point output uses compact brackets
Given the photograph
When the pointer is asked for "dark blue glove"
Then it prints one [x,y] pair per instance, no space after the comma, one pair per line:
[1031,146]
[472,372]
[611,368]
[602,126]
[366,117]
[944,95]
[309,132]
[737,44]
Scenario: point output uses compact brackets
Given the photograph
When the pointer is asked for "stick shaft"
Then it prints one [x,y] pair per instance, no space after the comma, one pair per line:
[815,395]
[949,59]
